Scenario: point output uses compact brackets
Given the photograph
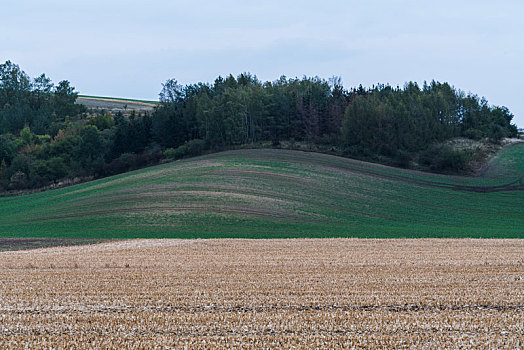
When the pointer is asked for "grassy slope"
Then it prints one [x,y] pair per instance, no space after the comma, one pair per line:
[508,164]
[117,99]
[109,103]
[274,193]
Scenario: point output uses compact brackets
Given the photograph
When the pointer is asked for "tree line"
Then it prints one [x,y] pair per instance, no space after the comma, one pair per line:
[45,136]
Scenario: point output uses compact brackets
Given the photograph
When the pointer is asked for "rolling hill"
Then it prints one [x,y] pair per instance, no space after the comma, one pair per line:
[267,193]
[115,104]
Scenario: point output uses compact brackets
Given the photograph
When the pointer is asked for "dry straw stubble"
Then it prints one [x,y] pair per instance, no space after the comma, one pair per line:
[265,293]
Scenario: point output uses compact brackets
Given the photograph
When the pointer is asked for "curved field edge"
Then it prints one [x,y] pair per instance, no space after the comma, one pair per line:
[509,163]
[267,193]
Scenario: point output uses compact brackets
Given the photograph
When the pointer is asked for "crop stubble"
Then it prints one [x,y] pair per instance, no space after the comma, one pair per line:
[265,293]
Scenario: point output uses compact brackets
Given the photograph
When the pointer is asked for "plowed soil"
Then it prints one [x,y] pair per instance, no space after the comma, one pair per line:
[21,243]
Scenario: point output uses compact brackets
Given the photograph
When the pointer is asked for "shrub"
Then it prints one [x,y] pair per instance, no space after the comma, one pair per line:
[18,181]
[474,134]
[20,163]
[403,159]
[169,153]
[57,169]
[190,149]
[444,158]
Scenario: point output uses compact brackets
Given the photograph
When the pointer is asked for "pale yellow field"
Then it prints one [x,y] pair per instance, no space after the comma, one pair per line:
[335,293]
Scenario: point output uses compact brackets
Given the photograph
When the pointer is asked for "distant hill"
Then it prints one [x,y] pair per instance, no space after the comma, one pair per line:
[115,104]
[275,194]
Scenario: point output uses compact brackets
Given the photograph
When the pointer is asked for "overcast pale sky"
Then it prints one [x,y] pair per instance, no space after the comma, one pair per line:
[129,48]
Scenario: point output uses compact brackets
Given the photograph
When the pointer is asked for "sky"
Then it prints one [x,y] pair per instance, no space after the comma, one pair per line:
[129,48]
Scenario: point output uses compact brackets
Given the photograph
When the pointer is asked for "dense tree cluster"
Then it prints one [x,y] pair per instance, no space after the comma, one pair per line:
[45,136]
[35,103]
[381,120]
[394,125]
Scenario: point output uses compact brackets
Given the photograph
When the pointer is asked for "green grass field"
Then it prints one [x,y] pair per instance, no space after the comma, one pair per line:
[118,99]
[116,104]
[277,194]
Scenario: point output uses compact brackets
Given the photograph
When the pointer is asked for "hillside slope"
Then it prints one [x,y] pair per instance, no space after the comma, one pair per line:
[115,104]
[276,193]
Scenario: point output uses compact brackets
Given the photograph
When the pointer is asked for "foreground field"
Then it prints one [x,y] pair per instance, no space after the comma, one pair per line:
[269,193]
[265,293]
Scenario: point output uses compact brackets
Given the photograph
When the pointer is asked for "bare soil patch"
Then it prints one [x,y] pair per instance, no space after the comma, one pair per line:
[22,243]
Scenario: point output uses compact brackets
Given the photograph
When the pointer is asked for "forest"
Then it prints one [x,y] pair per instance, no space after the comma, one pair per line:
[45,137]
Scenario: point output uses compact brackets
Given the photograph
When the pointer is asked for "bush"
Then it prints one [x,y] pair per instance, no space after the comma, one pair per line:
[169,153]
[474,134]
[18,181]
[190,149]
[20,163]
[116,166]
[403,159]
[444,158]
[126,162]
[57,169]
[155,157]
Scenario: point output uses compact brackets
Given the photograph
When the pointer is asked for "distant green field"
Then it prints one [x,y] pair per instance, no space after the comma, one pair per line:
[277,194]
[118,99]
[116,104]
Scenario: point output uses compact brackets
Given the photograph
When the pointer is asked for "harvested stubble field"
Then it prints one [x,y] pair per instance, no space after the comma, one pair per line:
[333,293]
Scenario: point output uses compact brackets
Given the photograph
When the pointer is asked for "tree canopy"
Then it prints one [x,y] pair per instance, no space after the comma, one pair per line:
[45,136]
